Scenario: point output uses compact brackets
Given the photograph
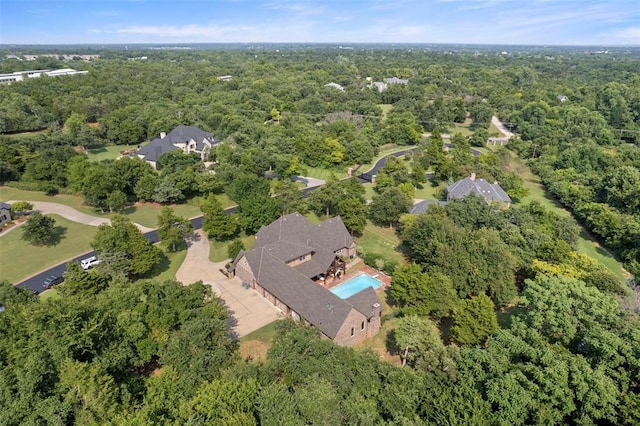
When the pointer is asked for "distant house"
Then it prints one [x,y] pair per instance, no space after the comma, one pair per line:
[186,138]
[5,213]
[289,265]
[379,85]
[563,98]
[492,193]
[396,80]
[335,86]
[225,78]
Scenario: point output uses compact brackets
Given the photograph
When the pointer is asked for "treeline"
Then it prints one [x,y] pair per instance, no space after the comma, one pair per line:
[161,353]
[577,153]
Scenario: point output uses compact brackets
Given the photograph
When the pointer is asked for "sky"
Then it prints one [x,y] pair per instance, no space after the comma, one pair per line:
[535,22]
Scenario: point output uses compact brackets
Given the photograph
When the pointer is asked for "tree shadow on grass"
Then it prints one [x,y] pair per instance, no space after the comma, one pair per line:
[59,233]
[161,267]
[131,209]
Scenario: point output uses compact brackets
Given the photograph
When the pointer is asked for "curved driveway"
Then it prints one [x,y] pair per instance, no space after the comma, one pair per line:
[74,215]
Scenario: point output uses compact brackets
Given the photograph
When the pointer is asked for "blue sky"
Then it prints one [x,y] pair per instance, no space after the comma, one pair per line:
[542,22]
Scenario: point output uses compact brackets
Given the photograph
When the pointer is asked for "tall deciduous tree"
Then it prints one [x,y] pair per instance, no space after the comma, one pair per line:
[216,223]
[420,293]
[39,229]
[172,229]
[386,208]
[474,320]
[124,248]
[353,212]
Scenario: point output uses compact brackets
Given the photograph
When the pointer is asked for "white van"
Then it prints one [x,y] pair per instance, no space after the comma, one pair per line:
[89,262]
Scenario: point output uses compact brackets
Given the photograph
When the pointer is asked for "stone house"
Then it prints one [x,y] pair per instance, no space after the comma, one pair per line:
[186,138]
[290,263]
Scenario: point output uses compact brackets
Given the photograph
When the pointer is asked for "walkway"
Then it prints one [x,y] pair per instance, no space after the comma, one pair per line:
[248,310]
[74,215]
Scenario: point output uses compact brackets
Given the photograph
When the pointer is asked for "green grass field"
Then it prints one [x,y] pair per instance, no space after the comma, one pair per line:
[110,152]
[382,241]
[167,268]
[324,174]
[143,213]
[218,249]
[21,260]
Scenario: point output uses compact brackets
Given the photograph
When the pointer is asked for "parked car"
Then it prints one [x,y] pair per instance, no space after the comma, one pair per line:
[51,281]
[89,262]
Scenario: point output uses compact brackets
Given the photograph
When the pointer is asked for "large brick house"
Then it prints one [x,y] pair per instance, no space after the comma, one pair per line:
[289,264]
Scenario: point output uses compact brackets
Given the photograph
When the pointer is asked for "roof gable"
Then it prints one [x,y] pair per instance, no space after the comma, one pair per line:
[477,186]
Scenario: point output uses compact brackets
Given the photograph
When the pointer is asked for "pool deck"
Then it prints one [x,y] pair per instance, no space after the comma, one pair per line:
[358,269]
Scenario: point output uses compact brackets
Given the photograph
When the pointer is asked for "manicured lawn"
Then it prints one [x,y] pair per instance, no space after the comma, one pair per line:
[382,241]
[324,174]
[218,249]
[460,128]
[21,260]
[429,192]
[110,152]
[143,213]
[75,201]
[594,250]
[168,267]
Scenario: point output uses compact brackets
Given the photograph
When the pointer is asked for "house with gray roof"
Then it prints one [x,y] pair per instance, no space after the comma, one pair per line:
[186,138]
[492,193]
[289,264]
[396,80]
[421,206]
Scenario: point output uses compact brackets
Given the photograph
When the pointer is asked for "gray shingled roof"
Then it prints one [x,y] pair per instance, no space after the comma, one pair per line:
[364,300]
[289,237]
[180,135]
[5,206]
[294,228]
[311,301]
[421,206]
[479,187]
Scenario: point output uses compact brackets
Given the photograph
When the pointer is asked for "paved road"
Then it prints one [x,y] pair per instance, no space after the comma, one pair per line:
[35,282]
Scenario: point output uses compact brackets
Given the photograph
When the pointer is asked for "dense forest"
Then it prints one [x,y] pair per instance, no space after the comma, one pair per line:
[498,318]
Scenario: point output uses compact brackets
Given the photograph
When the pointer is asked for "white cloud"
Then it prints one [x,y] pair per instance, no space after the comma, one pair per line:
[628,35]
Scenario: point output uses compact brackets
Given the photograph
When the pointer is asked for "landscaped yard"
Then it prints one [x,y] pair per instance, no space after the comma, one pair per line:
[143,213]
[382,241]
[110,152]
[385,109]
[218,249]
[168,267]
[21,260]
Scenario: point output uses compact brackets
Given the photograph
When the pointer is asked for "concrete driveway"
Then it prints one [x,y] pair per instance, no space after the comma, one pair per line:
[74,215]
[249,311]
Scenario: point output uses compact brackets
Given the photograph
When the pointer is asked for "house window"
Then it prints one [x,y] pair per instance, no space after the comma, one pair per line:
[362,326]
[352,331]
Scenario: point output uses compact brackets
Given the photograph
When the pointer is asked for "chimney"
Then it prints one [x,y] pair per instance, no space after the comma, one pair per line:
[473,176]
[162,135]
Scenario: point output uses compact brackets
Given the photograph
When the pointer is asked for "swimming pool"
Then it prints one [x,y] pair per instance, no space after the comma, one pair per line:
[355,285]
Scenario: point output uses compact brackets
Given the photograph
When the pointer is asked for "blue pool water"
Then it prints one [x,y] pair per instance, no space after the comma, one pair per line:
[355,285]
